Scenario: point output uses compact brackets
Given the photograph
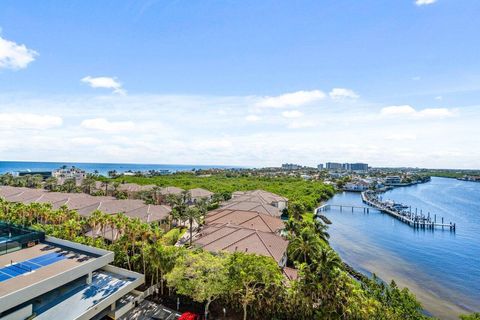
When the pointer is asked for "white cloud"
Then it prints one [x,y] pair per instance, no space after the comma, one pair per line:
[343,93]
[409,111]
[85,141]
[103,124]
[300,124]
[439,98]
[188,130]
[424,2]
[292,114]
[29,121]
[252,118]
[294,99]
[15,56]
[105,82]
[401,136]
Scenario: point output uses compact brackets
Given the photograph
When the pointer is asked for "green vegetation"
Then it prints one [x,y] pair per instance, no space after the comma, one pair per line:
[297,190]
[473,316]
[450,173]
[243,283]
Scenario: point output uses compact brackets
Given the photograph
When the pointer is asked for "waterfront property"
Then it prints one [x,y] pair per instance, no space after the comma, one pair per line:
[85,204]
[262,197]
[232,238]
[247,224]
[49,278]
[248,219]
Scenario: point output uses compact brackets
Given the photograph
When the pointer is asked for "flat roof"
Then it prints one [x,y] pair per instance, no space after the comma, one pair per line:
[49,259]
[73,303]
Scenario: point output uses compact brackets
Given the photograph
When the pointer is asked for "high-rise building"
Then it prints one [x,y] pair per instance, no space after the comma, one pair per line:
[320,166]
[358,167]
[291,166]
[333,166]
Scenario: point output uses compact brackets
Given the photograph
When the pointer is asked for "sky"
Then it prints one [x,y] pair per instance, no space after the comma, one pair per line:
[247,83]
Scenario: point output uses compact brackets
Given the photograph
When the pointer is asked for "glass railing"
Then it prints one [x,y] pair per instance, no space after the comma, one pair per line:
[13,238]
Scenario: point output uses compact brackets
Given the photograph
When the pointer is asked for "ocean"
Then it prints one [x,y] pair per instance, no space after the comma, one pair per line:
[102,168]
[441,267]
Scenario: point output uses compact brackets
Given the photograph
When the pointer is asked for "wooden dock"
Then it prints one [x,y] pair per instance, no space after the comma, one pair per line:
[413,219]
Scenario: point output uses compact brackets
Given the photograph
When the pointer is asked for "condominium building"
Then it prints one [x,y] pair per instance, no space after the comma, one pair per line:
[48,278]
[333,166]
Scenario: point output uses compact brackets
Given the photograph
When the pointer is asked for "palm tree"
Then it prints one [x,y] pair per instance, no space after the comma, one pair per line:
[69,185]
[51,183]
[105,184]
[328,260]
[305,246]
[88,184]
[193,215]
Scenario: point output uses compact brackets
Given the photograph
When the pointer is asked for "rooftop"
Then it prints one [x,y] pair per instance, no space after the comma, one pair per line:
[86,204]
[235,238]
[248,219]
[253,206]
[29,266]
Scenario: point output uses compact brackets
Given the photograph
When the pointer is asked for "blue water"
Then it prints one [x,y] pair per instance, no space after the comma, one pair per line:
[441,267]
[102,168]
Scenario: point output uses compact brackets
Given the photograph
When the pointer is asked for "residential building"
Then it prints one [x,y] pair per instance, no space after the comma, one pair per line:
[357,186]
[392,180]
[262,197]
[86,204]
[333,166]
[359,167]
[320,166]
[199,193]
[232,238]
[247,219]
[291,166]
[65,173]
[49,278]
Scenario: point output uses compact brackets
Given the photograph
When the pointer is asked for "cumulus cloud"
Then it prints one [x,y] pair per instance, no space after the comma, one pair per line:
[409,111]
[29,121]
[424,2]
[343,93]
[105,82]
[294,99]
[292,114]
[103,124]
[15,56]
[187,130]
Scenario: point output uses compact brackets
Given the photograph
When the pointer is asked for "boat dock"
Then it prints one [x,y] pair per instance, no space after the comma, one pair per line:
[413,219]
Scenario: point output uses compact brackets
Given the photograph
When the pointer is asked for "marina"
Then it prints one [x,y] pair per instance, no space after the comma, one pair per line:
[414,219]
[441,268]
[404,213]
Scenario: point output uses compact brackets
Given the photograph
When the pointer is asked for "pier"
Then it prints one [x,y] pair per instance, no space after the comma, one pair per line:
[416,219]
[342,207]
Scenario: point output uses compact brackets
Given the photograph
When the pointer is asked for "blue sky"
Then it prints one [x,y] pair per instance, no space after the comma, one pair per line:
[241,82]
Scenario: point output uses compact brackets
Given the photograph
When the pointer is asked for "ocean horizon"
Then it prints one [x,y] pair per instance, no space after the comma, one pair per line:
[102,168]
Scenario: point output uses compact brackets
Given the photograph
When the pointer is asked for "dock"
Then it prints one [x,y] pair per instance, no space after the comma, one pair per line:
[416,219]
[413,219]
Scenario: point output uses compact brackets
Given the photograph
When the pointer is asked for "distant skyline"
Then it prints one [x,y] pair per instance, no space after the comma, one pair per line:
[251,83]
